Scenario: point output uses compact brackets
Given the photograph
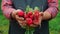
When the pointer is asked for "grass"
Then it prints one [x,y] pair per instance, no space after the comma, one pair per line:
[54,25]
[4,25]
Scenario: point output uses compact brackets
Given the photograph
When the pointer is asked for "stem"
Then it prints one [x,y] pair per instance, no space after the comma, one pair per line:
[29,30]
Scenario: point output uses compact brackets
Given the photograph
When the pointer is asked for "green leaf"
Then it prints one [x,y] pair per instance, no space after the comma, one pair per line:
[36,8]
[27,8]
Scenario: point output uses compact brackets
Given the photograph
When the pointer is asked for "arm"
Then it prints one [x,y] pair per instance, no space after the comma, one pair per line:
[52,11]
[7,8]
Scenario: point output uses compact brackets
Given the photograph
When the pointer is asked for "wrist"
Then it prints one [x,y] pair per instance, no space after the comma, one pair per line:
[11,16]
[46,15]
[13,13]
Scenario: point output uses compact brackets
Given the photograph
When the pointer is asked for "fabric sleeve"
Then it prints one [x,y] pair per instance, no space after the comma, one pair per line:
[52,7]
[7,8]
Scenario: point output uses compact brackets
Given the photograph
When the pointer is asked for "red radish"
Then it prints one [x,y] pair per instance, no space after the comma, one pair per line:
[29,13]
[29,21]
[25,16]
[36,14]
[20,13]
[31,16]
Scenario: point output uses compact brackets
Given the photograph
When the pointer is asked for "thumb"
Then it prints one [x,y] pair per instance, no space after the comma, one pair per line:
[41,13]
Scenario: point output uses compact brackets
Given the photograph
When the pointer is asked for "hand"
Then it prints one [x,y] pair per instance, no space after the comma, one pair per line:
[37,23]
[20,20]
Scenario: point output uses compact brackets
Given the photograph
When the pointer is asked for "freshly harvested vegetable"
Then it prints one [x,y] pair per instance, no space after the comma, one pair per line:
[20,13]
[30,16]
[29,21]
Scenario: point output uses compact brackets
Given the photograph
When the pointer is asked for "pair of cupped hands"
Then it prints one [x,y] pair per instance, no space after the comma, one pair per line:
[23,22]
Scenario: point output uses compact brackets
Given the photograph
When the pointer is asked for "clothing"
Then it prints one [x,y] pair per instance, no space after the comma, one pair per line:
[14,26]
[22,4]
[7,7]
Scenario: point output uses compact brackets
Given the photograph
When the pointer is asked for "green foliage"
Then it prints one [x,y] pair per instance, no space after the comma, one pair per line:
[54,24]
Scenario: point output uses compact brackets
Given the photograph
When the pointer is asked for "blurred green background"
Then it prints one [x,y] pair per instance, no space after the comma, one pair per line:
[54,25]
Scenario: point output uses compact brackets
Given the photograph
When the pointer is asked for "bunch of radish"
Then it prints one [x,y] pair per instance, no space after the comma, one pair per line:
[30,15]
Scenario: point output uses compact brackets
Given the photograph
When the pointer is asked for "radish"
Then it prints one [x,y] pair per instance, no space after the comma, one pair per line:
[20,13]
[29,21]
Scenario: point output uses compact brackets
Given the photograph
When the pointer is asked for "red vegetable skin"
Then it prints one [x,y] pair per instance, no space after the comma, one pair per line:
[36,14]
[29,21]
[25,16]
[20,13]
[31,16]
[29,13]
